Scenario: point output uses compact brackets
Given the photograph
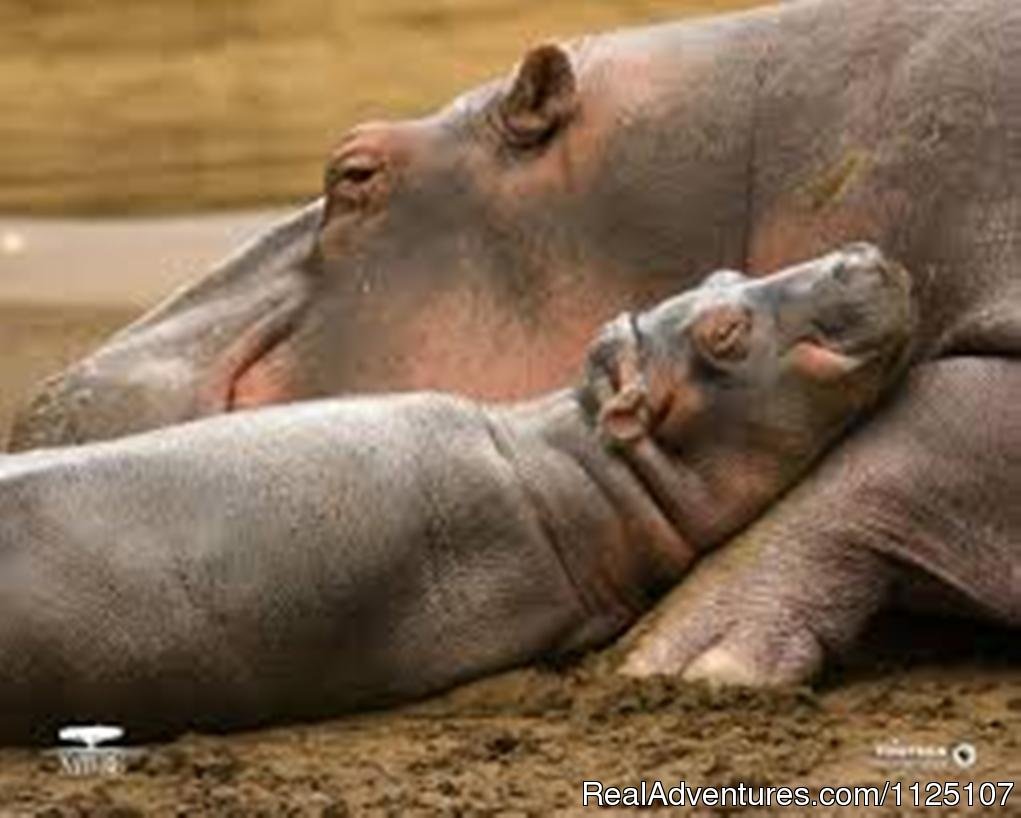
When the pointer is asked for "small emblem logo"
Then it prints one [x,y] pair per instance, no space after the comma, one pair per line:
[90,758]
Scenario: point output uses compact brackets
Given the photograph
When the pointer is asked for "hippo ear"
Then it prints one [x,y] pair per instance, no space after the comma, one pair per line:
[723,336]
[616,378]
[541,99]
[625,417]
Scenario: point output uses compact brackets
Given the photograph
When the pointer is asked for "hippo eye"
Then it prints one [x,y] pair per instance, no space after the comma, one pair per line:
[356,171]
[357,176]
[353,177]
[723,336]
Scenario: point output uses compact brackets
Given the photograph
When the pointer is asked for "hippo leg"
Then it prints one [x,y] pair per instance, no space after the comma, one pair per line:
[929,487]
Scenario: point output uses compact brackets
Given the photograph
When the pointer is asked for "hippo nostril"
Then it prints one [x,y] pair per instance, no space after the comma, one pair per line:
[861,265]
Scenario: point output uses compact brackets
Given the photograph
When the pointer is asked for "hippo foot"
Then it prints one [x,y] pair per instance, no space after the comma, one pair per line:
[732,638]
[752,655]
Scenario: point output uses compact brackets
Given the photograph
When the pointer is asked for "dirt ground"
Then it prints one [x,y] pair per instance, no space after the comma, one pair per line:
[143,106]
[523,743]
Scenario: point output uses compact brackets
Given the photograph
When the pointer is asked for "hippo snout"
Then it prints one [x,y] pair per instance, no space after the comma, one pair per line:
[873,304]
[864,267]
[77,406]
[856,260]
[855,301]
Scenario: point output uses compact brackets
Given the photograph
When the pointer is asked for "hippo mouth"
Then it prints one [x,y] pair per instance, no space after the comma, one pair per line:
[254,370]
[834,352]
[825,362]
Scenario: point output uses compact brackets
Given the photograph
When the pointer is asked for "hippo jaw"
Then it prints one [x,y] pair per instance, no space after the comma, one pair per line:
[207,350]
[167,385]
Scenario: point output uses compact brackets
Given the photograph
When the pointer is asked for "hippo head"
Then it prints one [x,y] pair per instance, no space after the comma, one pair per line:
[516,217]
[743,382]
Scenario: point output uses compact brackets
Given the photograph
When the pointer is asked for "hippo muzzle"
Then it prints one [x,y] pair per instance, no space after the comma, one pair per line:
[844,309]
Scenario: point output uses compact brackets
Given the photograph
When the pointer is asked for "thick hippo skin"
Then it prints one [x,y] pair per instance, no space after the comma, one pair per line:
[933,486]
[601,175]
[604,174]
[305,560]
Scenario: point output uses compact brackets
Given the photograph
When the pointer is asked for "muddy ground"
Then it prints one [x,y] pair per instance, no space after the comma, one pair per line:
[154,106]
[522,744]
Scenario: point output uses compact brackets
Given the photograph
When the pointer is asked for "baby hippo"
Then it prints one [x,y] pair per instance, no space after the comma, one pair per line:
[306,560]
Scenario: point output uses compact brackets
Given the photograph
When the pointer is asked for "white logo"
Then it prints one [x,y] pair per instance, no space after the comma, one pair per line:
[964,754]
[90,758]
[92,735]
[897,753]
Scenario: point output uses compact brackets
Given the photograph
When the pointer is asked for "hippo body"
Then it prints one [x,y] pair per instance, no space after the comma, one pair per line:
[306,560]
[203,583]
[604,174]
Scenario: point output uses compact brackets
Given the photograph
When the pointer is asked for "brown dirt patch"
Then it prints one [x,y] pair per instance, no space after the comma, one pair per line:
[522,743]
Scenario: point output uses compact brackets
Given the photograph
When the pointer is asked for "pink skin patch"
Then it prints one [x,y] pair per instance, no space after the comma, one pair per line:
[253,370]
[461,341]
[267,381]
[821,363]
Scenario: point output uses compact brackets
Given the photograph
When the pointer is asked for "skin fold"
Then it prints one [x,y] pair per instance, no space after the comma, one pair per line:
[301,561]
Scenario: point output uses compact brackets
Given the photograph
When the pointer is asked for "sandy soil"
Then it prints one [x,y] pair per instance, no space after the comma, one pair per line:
[522,744]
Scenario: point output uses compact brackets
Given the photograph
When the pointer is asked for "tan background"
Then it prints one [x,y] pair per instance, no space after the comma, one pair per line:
[143,105]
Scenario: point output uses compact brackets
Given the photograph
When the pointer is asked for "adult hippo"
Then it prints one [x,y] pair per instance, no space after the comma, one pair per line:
[605,174]
[304,560]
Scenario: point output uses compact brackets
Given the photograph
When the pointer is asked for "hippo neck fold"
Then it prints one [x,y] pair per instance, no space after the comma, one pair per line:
[618,536]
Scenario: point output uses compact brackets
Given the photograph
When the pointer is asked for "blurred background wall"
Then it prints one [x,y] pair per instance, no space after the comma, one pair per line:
[135,106]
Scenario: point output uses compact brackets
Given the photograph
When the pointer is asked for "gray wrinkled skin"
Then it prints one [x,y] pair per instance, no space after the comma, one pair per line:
[305,560]
[745,142]
[748,141]
[918,508]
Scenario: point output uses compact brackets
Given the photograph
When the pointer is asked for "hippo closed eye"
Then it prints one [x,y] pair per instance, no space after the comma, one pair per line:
[306,560]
